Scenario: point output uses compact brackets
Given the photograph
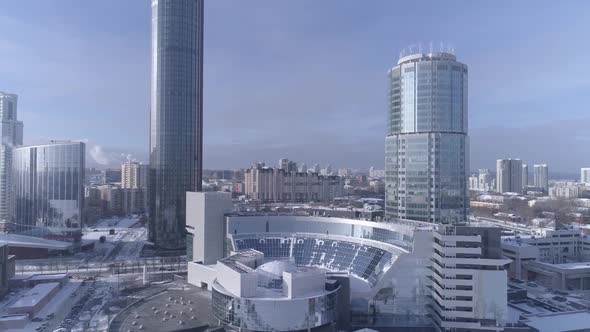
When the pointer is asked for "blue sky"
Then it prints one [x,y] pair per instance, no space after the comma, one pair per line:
[303,79]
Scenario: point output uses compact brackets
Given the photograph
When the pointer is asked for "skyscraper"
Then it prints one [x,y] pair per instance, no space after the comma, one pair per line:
[426,149]
[11,131]
[509,175]
[525,177]
[176,134]
[541,177]
[585,175]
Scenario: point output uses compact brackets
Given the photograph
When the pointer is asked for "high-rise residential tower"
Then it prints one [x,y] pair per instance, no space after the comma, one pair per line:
[585,175]
[525,177]
[176,136]
[11,131]
[509,176]
[541,177]
[426,149]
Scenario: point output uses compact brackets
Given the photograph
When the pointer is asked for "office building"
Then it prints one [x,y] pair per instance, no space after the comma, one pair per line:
[509,176]
[525,177]
[541,177]
[426,149]
[277,185]
[469,276]
[555,258]
[585,175]
[11,131]
[176,135]
[49,189]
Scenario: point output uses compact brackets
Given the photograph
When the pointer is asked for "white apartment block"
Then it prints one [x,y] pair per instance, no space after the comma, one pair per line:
[277,185]
[469,279]
[134,175]
[566,190]
[585,175]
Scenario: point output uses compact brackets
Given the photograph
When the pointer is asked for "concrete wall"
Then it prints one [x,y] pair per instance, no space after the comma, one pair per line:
[201,275]
[205,220]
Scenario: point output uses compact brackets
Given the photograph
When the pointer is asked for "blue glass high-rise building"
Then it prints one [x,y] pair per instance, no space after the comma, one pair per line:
[426,157]
[176,117]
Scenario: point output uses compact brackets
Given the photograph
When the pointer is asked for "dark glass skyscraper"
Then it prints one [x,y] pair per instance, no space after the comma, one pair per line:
[426,149]
[176,116]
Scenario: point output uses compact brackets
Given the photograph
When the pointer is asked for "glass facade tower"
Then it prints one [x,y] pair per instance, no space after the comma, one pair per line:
[426,148]
[11,131]
[49,189]
[176,117]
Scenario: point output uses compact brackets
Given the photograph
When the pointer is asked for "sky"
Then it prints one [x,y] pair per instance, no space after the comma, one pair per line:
[304,80]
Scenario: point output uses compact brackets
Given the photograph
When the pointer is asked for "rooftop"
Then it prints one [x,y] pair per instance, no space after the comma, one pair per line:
[35,295]
[17,240]
[558,322]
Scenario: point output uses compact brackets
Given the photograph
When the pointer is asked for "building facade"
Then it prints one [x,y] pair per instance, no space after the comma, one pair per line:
[426,149]
[11,131]
[541,177]
[176,134]
[585,175]
[277,185]
[525,177]
[49,188]
[509,176]
[134,182]
[469,275]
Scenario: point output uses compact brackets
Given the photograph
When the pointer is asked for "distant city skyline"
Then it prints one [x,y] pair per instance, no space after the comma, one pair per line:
[301,79]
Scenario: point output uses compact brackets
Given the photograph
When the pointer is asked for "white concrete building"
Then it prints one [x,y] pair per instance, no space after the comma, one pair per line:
[566,190]
[205,225]
[277,185]
[278,261]
[585,175]
[134,182]
[469,289]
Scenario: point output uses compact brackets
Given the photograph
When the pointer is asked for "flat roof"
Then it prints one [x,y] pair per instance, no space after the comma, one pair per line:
[558,322]
[34,295]
[573,266]
[48,276]
[18,240]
